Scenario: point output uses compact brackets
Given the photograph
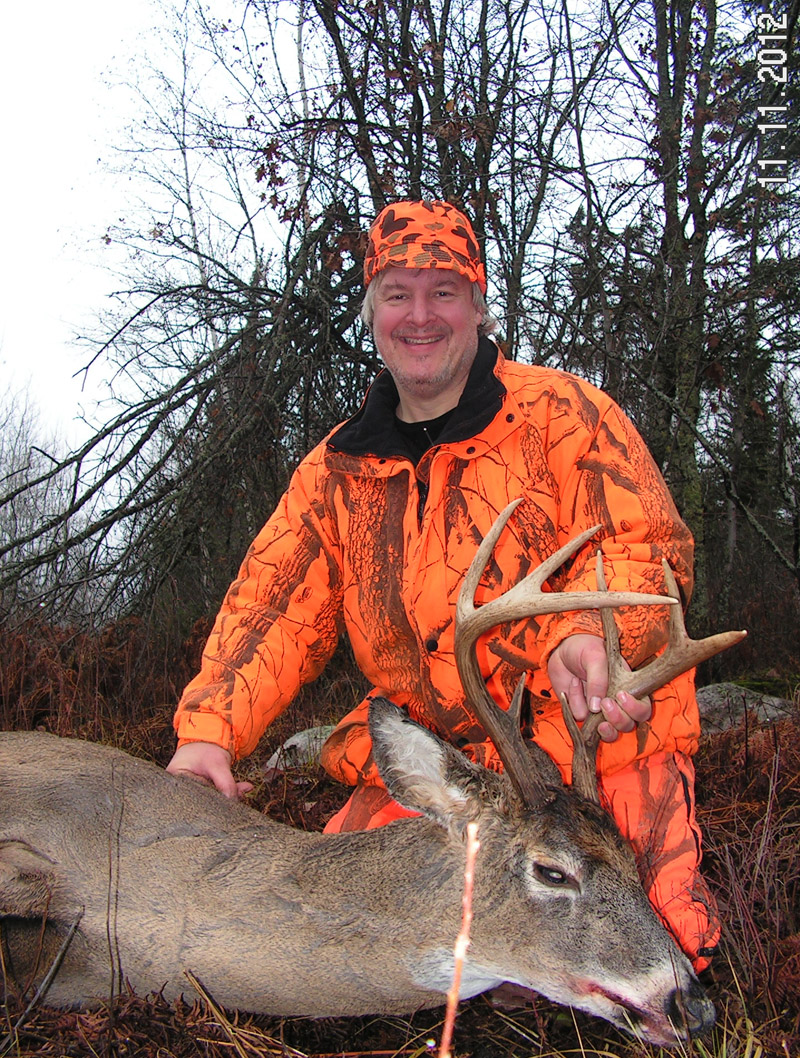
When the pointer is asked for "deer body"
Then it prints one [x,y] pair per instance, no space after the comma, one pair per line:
[164,876]
[171,876]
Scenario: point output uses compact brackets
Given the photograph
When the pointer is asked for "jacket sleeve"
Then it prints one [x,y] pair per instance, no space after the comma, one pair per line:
[277,627]
[606,476]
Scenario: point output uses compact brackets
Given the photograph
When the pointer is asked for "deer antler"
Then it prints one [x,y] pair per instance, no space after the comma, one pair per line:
[526,599]
[681,654]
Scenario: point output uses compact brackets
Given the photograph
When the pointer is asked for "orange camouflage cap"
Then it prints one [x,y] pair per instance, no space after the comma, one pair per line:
[423,235]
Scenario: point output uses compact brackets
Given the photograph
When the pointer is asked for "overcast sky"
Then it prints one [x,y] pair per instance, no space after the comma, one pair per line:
[60,122]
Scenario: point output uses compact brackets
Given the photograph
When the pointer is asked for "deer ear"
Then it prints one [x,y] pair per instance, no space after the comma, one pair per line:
[421,772]
[26,880]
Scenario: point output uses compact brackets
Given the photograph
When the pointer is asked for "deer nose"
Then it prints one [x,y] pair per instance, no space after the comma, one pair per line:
[691,1009]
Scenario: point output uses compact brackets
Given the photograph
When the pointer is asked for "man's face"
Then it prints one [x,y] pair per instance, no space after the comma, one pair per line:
[426,330]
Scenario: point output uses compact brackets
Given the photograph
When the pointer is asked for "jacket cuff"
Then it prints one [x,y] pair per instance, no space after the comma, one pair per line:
[205,727]
[559,627]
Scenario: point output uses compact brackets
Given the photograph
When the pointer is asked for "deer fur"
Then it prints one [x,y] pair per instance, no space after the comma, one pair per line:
[170,876]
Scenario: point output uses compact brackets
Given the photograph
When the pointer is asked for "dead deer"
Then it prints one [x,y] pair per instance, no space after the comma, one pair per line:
[120,875]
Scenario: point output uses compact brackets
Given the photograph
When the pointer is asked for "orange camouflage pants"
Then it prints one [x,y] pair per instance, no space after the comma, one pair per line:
[652,801]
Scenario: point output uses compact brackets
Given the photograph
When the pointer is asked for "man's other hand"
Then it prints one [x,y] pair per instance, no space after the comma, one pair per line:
[209,764]
[578,669]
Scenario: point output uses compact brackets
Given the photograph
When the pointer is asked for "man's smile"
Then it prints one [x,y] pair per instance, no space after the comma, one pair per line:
[427,339]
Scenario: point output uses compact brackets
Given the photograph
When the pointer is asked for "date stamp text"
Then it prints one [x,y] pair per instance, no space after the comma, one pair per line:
[772,71]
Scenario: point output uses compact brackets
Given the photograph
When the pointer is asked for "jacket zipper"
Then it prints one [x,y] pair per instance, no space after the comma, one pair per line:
[422,496]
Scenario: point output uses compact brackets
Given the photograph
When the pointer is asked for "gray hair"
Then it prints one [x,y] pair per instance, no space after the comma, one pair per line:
[488,326]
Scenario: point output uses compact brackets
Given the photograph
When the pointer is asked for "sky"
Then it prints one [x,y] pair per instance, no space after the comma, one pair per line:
[60,122]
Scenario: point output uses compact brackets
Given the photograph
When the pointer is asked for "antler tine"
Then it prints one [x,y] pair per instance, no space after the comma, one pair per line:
[525,599]
[586,739]
[682,653]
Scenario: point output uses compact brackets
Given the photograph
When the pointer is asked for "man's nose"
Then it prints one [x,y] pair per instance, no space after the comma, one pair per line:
[419,309]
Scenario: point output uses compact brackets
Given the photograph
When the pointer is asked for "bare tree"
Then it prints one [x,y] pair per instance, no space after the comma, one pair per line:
[239,343]
[34,534]
[608,155]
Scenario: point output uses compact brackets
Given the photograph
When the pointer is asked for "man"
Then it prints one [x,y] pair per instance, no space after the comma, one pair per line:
[379,524]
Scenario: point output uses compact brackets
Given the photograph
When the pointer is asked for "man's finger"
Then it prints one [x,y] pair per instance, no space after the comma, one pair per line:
[615,715]
[203,779]
[638,709]
[596,680]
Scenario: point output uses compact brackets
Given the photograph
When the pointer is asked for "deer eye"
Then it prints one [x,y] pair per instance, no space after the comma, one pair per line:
[551,876]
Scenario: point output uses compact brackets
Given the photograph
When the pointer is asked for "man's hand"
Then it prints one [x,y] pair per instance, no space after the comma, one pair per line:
[209,764]
[578,668]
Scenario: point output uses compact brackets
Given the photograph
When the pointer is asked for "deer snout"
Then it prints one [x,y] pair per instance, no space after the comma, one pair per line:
[691,1010]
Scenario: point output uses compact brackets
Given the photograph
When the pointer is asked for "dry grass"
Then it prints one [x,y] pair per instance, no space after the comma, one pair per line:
[112,688]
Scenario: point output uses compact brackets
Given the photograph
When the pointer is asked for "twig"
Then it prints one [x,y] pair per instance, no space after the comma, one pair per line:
[233,1032]
[462,941]
[11,1037]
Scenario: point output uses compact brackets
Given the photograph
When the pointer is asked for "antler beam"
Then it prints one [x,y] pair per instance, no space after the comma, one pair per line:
[680,655]
[527,599]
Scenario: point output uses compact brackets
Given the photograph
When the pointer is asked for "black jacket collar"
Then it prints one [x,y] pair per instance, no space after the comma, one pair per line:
[372,431]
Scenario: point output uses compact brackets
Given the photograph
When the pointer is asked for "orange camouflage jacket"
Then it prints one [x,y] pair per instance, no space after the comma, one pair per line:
[363,541]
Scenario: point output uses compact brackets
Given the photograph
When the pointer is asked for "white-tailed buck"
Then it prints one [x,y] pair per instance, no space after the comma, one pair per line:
[148,875]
